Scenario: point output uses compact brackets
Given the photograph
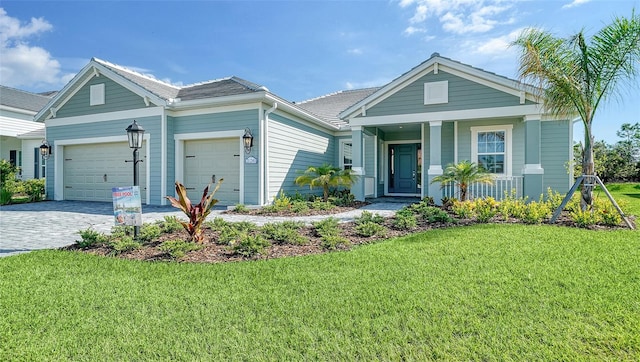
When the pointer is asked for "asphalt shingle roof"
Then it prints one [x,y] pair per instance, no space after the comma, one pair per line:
[329,106]
[22,99]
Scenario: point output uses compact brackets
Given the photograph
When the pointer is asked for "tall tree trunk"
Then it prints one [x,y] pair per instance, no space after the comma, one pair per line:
[588,169]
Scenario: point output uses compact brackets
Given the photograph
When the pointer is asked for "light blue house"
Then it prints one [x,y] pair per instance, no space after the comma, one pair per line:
[397,137]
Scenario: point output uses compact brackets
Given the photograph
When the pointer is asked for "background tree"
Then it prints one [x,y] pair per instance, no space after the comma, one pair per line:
[463,173]
[575,75]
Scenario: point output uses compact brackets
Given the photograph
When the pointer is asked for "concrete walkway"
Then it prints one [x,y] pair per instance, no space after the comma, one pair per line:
[54,224]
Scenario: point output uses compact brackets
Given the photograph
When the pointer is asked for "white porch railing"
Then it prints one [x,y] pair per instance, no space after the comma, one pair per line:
[511,186]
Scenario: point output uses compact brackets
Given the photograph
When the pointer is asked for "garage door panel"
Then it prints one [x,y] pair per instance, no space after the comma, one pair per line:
[206,158]
[91,171]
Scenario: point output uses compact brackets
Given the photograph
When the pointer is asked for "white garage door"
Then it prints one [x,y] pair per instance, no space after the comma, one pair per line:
[210,160]
[91,171]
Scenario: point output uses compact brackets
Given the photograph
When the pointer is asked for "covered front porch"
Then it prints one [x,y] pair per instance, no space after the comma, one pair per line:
[401,160]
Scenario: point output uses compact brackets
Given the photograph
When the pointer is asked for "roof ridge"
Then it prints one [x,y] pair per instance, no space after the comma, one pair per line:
[150,77]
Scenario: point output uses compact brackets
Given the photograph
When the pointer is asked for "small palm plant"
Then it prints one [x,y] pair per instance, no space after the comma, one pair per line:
[196,213]
[463,174]
[326,176]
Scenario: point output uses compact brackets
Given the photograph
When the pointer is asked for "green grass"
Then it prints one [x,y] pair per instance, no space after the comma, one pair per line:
[488,292]
[628,194]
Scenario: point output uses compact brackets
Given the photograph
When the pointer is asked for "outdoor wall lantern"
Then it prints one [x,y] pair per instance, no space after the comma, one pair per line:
[247,139]
[45,149]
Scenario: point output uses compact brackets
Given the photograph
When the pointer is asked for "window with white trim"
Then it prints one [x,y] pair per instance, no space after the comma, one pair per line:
[346,155]
[491,148]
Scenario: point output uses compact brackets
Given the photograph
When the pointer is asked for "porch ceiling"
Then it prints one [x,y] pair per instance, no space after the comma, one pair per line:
[398,128]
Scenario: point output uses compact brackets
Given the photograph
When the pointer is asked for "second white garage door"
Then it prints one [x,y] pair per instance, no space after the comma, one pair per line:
[91,171]
[210,160]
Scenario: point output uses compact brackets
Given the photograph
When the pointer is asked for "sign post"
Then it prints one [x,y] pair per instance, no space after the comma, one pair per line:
[127,206]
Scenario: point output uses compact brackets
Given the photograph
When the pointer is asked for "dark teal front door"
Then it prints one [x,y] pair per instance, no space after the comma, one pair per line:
[403,168]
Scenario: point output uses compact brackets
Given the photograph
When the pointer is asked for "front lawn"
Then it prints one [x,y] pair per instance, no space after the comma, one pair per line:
[485,292]
[628,194]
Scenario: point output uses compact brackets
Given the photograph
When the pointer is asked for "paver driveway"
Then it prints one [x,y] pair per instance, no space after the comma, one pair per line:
[54,224]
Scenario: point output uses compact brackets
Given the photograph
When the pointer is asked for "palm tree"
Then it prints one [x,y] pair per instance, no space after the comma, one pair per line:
[463,173]
[326,176]
[574,76]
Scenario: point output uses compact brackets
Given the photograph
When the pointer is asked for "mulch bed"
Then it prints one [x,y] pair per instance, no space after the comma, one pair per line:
[215,253]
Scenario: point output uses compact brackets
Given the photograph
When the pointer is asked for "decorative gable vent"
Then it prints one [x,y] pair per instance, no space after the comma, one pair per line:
[436,92]
[96,96]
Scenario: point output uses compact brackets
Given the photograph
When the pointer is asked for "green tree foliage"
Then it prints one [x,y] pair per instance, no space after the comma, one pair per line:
[463,174]
[326,176]
[575,75]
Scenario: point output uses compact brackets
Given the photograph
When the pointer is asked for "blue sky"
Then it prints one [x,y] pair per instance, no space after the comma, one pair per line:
[298,49]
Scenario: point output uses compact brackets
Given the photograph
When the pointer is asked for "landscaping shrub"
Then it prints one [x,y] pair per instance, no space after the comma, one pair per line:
[178,248]
[286,232]
[328,226]
[250,245]
[149,232]
[34,189]
[229,235]
[197,213]
[405,219]
[342,198]
[485,209]
[370,228]
[170,224]
[331,242]
[124,244]
[5,196]
[217,224]
[463,209]
[367,216]
[431,213]
[318,204]
[535,212]
[282,202]
[90,237]
[584,219]
[299,207]
[246,226]
[241,209]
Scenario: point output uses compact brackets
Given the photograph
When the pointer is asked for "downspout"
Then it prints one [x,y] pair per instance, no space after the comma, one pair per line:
[265,157]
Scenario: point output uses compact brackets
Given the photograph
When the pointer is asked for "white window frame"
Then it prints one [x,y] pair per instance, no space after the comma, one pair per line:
[96,94]
[441,88]
[342,144]
[508,146]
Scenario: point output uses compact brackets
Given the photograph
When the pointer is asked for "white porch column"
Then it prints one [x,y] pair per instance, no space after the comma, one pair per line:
[435,160]
[357,189]
[533,172]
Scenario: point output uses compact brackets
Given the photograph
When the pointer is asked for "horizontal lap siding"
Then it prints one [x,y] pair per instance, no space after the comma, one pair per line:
[117,98]
[220,122]
[86,131]
[463,94]
[293,147]
[555,153]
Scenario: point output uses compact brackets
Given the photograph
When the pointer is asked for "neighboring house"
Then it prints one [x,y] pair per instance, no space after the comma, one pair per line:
[397,137]
[20,136]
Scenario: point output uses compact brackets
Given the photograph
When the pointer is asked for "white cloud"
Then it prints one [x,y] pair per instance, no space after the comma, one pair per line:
[498,46]
[459,16]
[355,51]
[24,65]
[575,3]
[412,30]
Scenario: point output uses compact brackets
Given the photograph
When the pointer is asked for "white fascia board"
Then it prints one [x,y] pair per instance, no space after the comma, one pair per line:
[126,83]
[105,117]
[180,106]
[468,114]
[63,94]
[18,110]
[212,109]
[464,71]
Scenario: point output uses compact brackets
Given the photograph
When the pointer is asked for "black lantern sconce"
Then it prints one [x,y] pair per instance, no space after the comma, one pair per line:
[247,140]
[45,149]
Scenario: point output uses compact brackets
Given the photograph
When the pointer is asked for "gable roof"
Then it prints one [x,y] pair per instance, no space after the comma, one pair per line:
[329,106]
[22,100]
[160,92]
[434,63]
